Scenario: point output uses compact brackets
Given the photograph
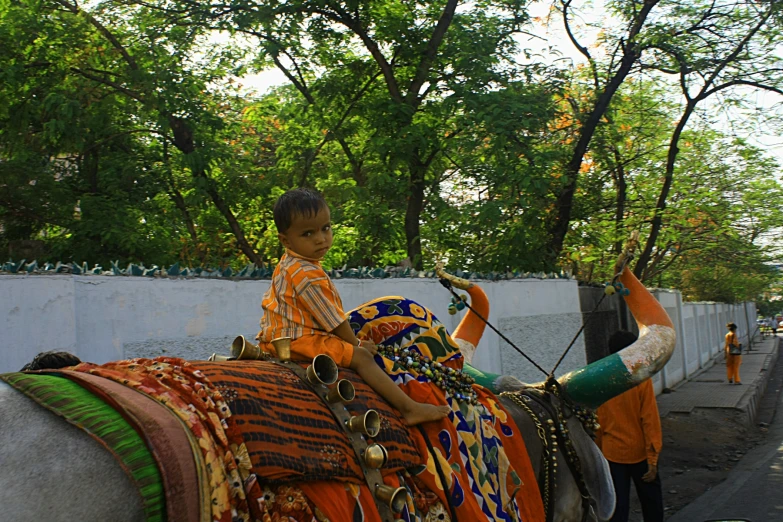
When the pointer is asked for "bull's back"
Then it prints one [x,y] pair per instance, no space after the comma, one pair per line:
[53,471]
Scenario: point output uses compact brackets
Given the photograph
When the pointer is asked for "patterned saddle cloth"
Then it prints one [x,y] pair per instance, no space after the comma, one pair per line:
[291,435]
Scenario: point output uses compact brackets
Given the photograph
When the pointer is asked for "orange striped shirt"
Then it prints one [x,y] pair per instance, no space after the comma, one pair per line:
[630,429]
[301,300]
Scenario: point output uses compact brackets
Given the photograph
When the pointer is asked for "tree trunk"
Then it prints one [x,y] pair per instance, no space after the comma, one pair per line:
[563,205]
[183,140]
[179,202]
[413,212]
[224,209]
[660,206]
[622,189]
[565,199]
[176,197]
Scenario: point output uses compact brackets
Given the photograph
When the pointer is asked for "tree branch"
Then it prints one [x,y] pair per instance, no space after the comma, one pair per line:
[75,9]
[582,49]
[132,94]
[412,98]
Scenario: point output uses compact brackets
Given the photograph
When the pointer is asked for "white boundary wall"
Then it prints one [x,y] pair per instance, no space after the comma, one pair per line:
[102,318]
[701,328]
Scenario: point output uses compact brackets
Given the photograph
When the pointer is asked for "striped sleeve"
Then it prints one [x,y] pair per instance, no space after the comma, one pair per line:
[317,295]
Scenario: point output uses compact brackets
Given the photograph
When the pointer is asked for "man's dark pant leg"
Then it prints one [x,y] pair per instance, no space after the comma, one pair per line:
[621,476]
[650,493]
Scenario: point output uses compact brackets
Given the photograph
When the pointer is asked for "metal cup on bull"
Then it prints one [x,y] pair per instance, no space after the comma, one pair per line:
[368,424]
[282,347]
[343,391]
[220,358]
[323,370]
[242,349]
[375,456]
[395,498]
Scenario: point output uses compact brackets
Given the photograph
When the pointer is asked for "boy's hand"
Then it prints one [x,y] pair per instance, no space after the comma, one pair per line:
[369,346]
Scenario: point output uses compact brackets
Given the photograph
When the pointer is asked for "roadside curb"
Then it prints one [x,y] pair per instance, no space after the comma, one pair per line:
[749,403]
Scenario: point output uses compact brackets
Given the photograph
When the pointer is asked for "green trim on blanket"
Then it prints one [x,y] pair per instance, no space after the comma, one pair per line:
[79,407]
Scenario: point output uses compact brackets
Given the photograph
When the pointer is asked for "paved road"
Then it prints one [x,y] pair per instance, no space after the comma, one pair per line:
[754,488]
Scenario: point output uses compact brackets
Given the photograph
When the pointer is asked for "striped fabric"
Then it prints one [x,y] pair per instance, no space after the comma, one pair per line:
[302,300]
[85,411]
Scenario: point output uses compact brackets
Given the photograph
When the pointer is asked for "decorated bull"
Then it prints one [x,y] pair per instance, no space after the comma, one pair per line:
[270,440]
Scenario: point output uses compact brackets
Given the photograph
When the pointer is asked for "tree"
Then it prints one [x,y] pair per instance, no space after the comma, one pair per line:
[401,68]
[607,77]
[714,49]
[125,57]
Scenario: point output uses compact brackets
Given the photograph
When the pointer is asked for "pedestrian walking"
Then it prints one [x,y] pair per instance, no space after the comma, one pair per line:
[630,438]
[733,351]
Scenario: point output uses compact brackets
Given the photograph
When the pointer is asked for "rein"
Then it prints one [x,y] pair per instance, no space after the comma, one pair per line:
[550,375]
[554,437]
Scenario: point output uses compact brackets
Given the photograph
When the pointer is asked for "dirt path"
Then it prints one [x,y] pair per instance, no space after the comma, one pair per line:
[701,448]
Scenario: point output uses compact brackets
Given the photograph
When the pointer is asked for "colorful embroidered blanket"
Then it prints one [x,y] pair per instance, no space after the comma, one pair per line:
[169,441]
[478,449]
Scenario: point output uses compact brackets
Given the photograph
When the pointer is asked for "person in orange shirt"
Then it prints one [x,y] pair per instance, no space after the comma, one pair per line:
[302,303]
[630,438]
[732,361]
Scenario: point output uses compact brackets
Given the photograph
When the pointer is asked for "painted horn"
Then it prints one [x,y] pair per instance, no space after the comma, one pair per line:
[468,333]
[602,380]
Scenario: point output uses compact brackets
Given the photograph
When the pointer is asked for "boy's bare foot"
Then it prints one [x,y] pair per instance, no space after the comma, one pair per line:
[422,412]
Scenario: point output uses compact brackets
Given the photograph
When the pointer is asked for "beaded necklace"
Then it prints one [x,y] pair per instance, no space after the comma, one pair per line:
[455,383]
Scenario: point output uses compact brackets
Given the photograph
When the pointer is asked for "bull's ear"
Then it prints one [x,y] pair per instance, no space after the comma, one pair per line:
[597,476]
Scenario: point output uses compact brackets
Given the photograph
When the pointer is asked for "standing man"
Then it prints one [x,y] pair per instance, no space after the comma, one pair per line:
[630,439]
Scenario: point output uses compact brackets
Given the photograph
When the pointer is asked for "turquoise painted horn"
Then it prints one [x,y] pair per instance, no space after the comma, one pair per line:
[602,380]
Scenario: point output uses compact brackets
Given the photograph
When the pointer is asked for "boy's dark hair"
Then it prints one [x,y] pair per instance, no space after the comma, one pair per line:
[731,326]
[305,202]
[620,339]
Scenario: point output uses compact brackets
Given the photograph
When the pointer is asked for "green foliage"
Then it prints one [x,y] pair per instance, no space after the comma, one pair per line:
[124,136]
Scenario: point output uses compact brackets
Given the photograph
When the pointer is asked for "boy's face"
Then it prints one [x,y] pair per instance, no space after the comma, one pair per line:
[311,236]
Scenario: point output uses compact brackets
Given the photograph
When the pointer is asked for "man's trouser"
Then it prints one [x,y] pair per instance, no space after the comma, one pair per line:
[650,494]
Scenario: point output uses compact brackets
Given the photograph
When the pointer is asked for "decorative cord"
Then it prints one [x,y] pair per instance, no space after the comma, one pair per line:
[447,284]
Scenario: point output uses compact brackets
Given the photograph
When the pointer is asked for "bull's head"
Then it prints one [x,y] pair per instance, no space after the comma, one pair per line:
[595,383]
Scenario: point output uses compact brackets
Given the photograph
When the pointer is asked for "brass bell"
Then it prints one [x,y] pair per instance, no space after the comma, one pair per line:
[242,349]
[395,498]
[220,358]
[323,370]
[369,424]
[375,456]
[343,391]
[282,348]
